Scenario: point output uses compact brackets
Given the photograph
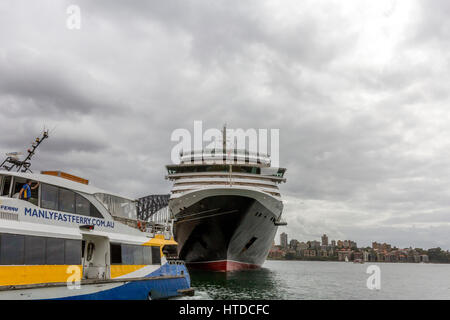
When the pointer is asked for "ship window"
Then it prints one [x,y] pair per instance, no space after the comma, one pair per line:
[131,254]
[118,206]
[18,184]
[66,200]
[72,252]
[6,181]
[156,255]
[12,249]
[93,212]
[116,253]
[49,197]
[249,244]
[82,205]
[138,255]
[127,254]
[55,251]
[200,168]
[247,169]
[34,250]
[147,255]
[170,251]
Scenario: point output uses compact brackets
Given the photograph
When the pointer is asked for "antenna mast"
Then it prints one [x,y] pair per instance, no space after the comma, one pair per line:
[224,139]
[12,162]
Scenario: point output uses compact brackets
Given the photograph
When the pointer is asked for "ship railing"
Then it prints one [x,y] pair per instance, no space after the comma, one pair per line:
[150,227]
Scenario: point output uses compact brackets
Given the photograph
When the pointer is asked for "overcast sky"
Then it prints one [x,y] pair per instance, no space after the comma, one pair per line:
[358,89]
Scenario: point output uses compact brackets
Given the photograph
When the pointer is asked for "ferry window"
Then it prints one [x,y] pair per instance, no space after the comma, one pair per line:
[156,255]
[127,254]
[93,212]
[170,251]
[66,200]
[118,206]
[82,205]
[147,255]
[55,251]
[132,255]
[138,255]
[49,197]
[34,250]
[72,252]
[12,249]
[18,184]
[116,253]
[6,185]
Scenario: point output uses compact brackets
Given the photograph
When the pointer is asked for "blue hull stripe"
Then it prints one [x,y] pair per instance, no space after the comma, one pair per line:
[139,290]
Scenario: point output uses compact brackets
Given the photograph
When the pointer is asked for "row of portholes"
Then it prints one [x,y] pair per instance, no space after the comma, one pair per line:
[259,214]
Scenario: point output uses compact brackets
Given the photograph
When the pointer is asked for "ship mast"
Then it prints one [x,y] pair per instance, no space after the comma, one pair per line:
[12,162]
[224,139]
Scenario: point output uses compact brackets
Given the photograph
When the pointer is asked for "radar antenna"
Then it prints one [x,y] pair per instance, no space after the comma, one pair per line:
[12,161]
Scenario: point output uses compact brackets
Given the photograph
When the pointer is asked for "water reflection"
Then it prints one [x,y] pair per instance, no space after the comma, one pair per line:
[246,284]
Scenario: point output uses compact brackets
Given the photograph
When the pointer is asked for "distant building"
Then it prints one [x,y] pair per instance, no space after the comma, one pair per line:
[324,240]
[293,244]
[302,246]
[344,253]
[314,244]
[333,243]
[381,246]
[323,253]
[357,255]
[284,240]
[340,244]
[276,253]
[309,253]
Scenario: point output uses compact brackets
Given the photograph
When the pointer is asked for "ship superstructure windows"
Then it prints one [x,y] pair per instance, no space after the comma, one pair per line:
[128,254]
[5,184]
[205,168]
[66,200]
[117,206]
[34,250]
[49,197]
[247,169]
[55,198]
[18,249]
[199,168]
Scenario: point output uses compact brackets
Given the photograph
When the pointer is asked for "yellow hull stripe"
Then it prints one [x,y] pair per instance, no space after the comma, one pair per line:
[17,275]
[121,270]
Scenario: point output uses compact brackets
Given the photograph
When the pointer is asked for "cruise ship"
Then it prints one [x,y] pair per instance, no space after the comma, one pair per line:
[226,208]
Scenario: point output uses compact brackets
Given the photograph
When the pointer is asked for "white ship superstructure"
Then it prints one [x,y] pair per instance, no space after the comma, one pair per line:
[227,207]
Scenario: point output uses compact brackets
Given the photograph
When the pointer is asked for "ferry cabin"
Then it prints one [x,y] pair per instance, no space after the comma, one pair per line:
[69,231]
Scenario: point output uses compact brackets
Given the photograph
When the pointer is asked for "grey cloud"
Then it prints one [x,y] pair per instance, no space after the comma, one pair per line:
[363,133]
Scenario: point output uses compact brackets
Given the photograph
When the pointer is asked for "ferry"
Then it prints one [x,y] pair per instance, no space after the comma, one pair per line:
[71,240]
[227,207]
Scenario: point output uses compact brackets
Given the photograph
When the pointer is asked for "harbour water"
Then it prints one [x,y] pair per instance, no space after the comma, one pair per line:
[298,280]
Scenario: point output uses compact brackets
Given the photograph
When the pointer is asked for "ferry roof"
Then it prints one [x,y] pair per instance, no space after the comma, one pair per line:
[62,182]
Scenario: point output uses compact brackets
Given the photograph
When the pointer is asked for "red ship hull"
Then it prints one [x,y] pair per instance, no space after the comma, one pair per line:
[222,266]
